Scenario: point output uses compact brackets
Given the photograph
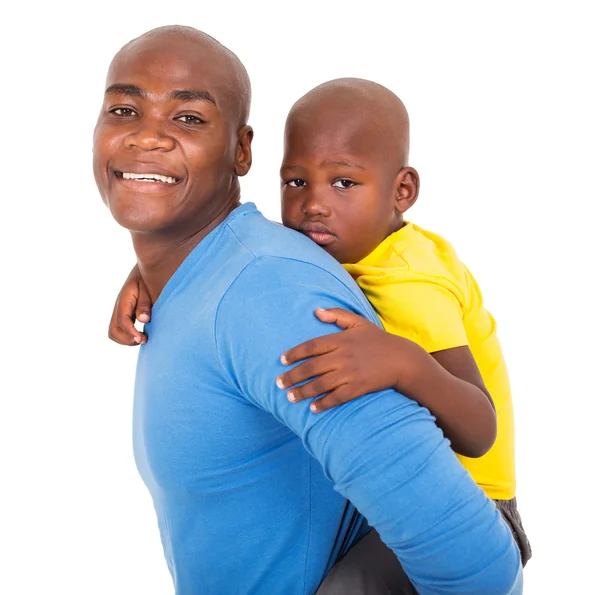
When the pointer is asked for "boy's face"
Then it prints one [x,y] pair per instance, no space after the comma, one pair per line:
[164,144]
[337,187]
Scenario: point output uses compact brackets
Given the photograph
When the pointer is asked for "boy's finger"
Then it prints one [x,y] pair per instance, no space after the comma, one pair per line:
[121,337]
[343,318]
[143,311]
[311,368]
[318,346]
[116,333]
[126,326]
[337,397]
[124,329]
[314,388]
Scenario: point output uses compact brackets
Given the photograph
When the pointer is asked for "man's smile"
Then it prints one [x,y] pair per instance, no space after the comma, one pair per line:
[146,177]
[152,175]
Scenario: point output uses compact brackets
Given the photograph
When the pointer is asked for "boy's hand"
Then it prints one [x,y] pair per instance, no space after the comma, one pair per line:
[133,302]
[361,360]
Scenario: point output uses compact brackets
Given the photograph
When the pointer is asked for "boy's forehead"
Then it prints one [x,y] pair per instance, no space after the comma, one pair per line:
[343,130]
[373,125]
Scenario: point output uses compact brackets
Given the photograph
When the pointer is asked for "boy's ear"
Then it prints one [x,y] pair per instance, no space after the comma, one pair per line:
[243,152]
[407,188]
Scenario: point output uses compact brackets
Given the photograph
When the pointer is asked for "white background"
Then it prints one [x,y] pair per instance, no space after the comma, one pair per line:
[504,105]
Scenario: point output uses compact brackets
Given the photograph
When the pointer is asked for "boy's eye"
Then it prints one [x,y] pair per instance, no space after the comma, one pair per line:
[189,119]
[123,112]
[297,183]
[344,183]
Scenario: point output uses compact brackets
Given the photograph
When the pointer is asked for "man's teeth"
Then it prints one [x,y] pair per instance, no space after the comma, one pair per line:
[148,178]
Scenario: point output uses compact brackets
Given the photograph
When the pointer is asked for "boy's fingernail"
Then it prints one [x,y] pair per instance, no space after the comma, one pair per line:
[283,360]
[279,383]
[313,408]
[291,397]
[143,318]
[137,340]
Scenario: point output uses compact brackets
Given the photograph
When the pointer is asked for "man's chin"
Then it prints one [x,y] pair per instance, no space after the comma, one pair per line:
[139,220]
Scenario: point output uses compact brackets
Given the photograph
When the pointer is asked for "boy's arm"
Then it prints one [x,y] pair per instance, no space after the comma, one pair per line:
[365,358]
[383,452]
[132,302]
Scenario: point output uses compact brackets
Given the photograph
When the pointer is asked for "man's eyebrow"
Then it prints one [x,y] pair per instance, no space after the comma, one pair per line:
[192,95]
[123,89]
[178,94]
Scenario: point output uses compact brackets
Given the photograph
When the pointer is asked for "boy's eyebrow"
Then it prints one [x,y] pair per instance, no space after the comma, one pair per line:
[342,163]
[326,162]
[177,94]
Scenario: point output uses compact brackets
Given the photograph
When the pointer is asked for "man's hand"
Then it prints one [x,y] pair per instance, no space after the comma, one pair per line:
[133,302]
[343,366]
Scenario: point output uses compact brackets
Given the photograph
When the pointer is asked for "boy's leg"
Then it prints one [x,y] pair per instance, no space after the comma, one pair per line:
[508,510]
[369,568]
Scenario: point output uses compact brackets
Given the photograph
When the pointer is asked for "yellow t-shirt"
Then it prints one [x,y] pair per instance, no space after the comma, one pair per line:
[423,292]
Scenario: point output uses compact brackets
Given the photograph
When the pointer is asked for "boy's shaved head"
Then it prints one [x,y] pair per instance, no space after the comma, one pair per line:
[345,178]
[357,107]
[236,83]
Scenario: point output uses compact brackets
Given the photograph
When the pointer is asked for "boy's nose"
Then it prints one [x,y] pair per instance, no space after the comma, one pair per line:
[313,206]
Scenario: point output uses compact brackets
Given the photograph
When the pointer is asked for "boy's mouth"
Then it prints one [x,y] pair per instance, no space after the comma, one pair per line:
[317,232]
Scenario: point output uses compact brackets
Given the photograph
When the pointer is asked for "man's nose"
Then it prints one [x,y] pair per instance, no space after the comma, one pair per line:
[314,204]
[150,135]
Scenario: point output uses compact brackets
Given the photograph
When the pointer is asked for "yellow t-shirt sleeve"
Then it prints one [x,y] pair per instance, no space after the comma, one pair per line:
[423,311]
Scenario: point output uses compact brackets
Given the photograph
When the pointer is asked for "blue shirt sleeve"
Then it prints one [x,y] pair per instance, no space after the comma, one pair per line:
[383,451]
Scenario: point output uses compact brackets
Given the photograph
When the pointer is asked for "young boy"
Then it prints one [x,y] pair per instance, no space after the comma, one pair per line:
[346,185]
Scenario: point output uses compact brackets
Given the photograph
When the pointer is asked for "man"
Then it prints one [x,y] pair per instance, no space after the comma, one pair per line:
[254,494]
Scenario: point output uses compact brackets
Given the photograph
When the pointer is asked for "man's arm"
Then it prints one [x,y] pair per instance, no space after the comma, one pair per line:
[383,452]
[364,359]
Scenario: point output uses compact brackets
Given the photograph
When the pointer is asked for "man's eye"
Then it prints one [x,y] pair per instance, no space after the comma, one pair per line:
[344,183]
[189,119]
[123,112]
[297,183]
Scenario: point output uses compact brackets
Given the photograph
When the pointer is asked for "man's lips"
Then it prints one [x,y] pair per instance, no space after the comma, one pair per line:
[317,232]
[136,174]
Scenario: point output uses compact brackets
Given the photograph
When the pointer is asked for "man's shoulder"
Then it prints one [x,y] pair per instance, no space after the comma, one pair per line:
[281,264]
[273,244]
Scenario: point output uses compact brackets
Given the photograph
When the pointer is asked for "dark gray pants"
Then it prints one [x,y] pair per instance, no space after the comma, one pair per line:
[369,568]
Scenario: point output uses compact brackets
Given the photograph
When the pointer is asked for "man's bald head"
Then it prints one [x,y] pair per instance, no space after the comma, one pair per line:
[361,106]
[235,81]
[174,112]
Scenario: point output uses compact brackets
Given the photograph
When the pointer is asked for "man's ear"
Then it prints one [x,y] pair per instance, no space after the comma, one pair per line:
[243,152]
[407,188]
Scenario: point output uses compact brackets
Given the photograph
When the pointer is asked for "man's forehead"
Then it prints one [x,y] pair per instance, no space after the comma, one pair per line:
[169,62]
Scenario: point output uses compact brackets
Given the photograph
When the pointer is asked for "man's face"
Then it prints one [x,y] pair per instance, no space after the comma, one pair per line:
[335,188]
[165,141]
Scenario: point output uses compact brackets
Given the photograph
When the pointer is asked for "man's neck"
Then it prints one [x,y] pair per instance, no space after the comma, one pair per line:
[160,254]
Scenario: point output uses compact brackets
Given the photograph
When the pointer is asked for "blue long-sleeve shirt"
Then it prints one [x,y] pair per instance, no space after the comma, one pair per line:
[258,495]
